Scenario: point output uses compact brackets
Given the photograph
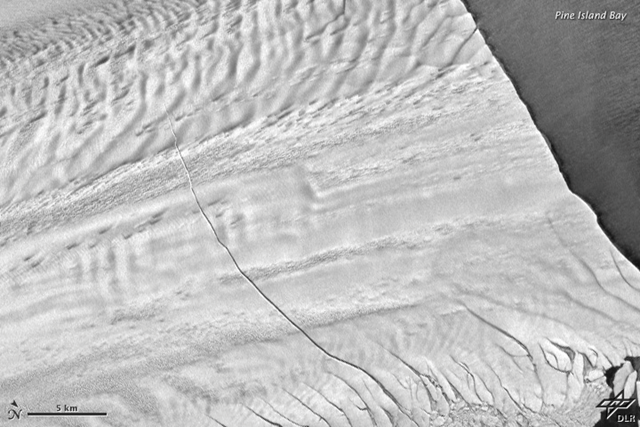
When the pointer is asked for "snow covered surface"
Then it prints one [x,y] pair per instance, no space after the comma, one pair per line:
[580,80]
[371,169]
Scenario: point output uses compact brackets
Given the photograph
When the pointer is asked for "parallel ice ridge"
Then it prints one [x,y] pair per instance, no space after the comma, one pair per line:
[81,95]
[411,220]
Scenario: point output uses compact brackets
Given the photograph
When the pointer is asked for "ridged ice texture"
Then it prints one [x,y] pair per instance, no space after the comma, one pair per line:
[371,169]
[82,95]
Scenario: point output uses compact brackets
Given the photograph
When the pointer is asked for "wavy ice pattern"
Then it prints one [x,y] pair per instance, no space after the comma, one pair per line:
[367,164]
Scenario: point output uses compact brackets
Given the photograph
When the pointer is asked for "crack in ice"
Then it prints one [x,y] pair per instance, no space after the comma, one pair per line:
[257,288]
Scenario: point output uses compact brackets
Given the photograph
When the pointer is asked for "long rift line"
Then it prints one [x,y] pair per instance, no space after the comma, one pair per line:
[257,288]
[224,246]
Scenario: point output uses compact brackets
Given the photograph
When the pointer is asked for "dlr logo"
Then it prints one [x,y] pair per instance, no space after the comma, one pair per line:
[626,418]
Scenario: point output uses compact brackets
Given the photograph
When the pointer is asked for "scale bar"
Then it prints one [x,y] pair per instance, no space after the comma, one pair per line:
[67,414]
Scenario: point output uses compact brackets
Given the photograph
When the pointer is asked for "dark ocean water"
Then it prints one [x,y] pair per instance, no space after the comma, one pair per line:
[580,80]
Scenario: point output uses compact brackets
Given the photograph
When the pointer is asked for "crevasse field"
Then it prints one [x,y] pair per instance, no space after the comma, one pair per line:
[366,165]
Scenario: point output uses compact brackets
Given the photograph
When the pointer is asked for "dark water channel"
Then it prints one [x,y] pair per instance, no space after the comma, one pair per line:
[580,79]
